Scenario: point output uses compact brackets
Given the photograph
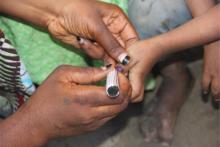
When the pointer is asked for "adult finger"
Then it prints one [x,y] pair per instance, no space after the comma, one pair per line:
[96,96]
[62,34]
[206,81]
[81,75]
[98,123]
[121,25]
[106,39]
[129,34]
[215,88]
[95,51]
[109,111]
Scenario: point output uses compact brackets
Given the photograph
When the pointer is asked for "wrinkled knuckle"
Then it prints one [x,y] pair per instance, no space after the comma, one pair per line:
[87,120]
[97,28]
[52,27]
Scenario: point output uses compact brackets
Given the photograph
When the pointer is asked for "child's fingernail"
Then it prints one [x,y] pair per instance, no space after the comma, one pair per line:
[108,65]
[119,68]
[124,58]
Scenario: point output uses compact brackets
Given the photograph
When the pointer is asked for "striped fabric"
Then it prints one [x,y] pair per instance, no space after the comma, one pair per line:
[15,83]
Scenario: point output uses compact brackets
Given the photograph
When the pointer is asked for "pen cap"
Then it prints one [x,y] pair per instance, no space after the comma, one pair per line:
[112,85]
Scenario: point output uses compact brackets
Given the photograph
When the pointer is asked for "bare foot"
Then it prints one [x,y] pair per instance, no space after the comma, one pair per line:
[158,123]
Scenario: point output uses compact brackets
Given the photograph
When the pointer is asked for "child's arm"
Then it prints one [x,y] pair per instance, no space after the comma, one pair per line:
[198,7]
[211,68]
[201,30]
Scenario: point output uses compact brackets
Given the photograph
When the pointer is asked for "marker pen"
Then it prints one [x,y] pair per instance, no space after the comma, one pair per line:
[112,84]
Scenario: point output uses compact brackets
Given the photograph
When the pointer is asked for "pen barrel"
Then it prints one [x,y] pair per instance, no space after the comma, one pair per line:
[112,84]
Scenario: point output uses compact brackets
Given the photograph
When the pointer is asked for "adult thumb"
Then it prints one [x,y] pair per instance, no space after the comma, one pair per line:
[105,38]
[84,75]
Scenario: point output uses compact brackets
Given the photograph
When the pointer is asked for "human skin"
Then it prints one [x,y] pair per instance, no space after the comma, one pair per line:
[66,104]
[211,68]
[102,25]
[201,30]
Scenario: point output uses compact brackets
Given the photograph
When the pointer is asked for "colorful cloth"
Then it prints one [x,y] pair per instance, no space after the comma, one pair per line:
[15,83]
[39,52]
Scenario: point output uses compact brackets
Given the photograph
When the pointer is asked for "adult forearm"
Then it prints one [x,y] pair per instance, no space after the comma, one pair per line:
[21,130]
[199,31]
[198,7]
[34,11]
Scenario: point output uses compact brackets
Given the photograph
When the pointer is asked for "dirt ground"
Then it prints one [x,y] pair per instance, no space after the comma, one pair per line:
[198,125]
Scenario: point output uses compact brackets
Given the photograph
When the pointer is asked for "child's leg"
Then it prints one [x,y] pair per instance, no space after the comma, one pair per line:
[152,18]
[159,120]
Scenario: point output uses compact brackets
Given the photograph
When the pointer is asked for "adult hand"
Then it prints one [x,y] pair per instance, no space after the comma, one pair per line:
[211,71]
[100,24]
[97,24]
[65,105]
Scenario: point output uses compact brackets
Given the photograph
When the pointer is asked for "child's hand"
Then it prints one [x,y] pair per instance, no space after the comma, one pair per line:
[211,71]
[144,54]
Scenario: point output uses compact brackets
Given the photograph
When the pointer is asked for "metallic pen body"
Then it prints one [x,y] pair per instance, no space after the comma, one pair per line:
[112,84]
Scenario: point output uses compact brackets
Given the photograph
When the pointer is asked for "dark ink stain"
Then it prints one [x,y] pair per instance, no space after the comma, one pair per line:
[67,101]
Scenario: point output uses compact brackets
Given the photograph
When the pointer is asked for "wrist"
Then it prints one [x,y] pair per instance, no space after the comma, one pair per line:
[22,130]
[159,47]
[145,54]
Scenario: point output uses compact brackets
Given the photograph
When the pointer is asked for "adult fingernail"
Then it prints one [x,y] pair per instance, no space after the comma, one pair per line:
[103,68]
[108,65]
[119,68]
[80,40]
[124,58]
